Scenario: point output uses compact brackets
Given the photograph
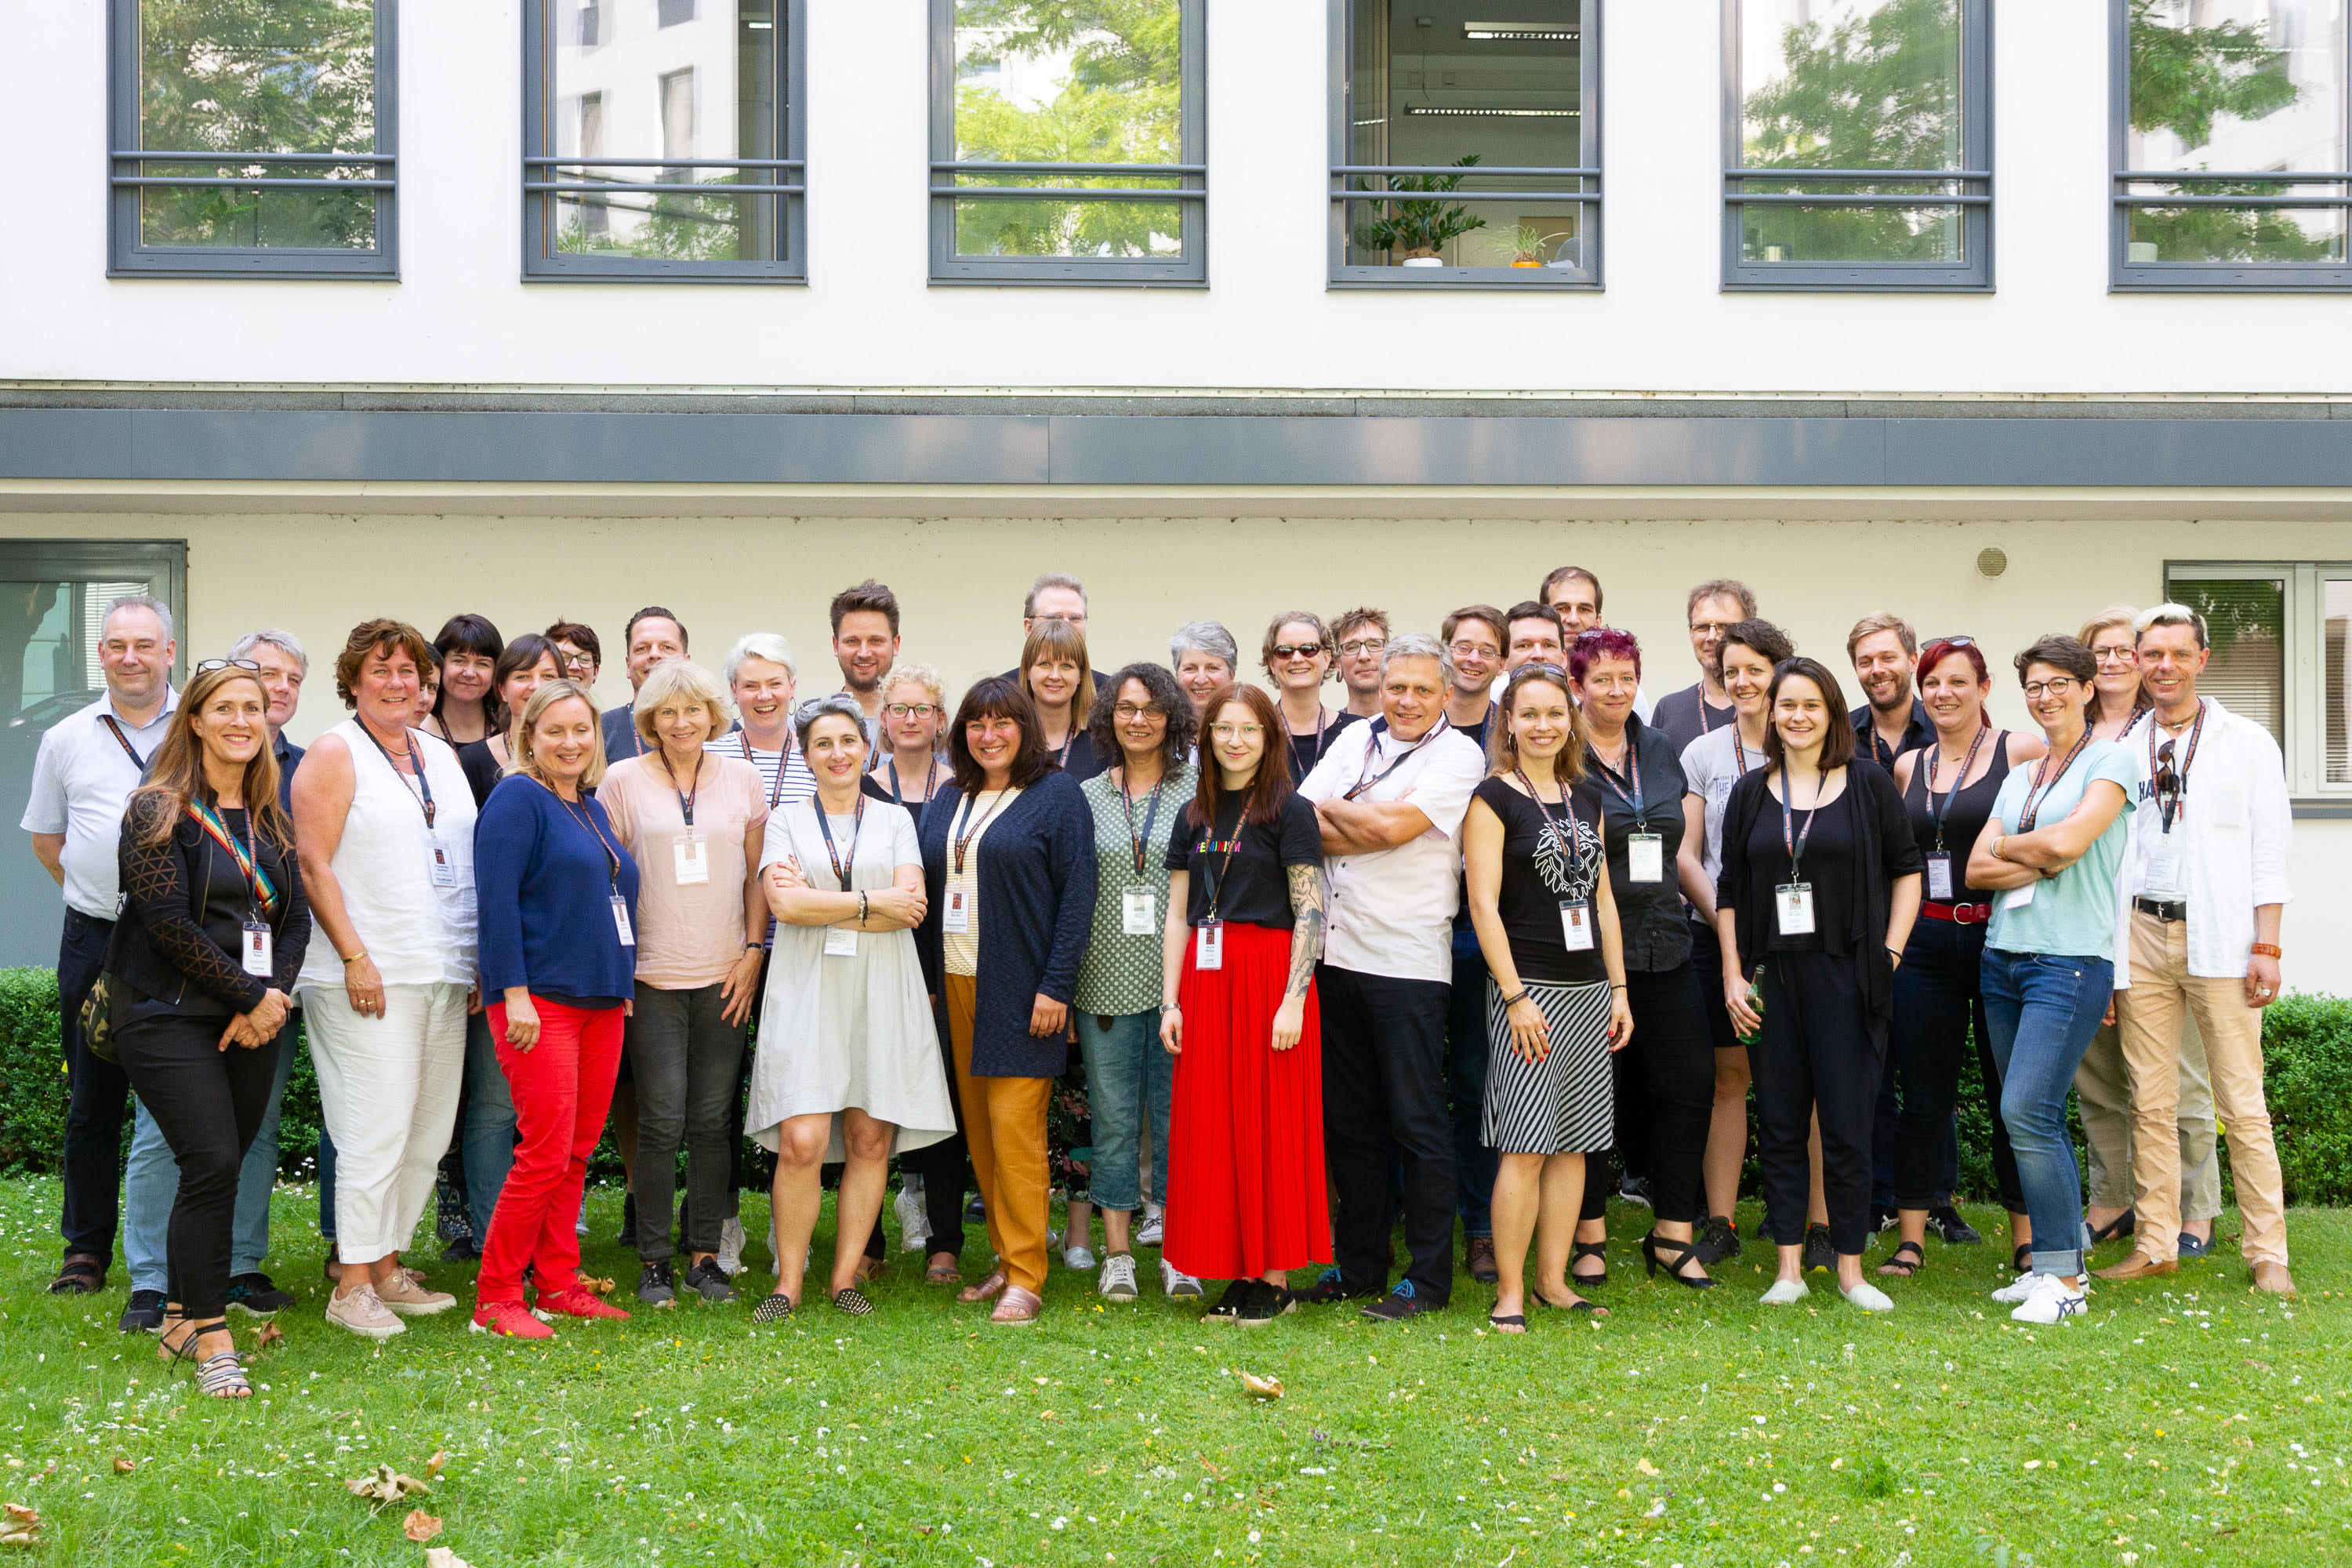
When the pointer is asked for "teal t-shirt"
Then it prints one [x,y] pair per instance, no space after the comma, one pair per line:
[2072,913]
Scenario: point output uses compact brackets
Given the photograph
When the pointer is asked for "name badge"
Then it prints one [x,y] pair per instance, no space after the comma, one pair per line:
[1208,945]
[690,853]
[1576,924]
[1138,912]
[2019,897]
[445,874]
[840,941]
[1645,858]
[257,948]
[1794,902]
[957,916]
[1939,875]
[2163,875]
[621,920]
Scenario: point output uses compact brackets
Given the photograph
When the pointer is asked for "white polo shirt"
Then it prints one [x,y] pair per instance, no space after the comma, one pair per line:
[81,782]
[1392,910]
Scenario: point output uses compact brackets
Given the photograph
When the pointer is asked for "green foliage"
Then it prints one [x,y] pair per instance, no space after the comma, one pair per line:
[699,224]
[2307,1069]
[1421,228]
[32,1071]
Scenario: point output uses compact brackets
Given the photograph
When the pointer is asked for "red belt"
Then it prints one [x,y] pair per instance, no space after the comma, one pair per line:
[1959,914]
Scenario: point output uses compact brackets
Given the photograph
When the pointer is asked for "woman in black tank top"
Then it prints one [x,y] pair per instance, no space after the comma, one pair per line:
[1949,787]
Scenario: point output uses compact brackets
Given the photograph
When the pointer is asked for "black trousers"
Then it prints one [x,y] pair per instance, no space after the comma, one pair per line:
[97,1094]
[1384,1096]
[208,1103]
[1467,1050]
[1665,1091]
[1938,996]
[1818,1051]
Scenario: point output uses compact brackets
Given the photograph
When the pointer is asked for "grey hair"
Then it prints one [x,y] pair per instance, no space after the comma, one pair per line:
[2167,614]
[286,643]
[769,646]
[1204,636]
[148,602]
[1418,644]
[840,705]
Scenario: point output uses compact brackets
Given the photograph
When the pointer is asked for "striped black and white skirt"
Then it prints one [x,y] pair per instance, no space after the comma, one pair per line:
[1566,1104]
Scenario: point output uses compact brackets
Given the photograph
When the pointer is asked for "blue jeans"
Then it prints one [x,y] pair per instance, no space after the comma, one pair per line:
[1129,1075]
[2040,1010]
[486,1136]
[151,1184]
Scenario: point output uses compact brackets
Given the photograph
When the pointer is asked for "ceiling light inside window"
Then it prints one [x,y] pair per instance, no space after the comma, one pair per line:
[1517,33]
[1457,113]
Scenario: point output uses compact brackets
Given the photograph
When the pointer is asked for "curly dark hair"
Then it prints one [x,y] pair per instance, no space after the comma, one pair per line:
[1183,724]
[998,696]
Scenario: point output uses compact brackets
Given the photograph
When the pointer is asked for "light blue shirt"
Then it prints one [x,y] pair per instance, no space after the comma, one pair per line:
[2072,914]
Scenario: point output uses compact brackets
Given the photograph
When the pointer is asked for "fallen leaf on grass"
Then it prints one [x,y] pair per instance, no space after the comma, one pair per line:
[123,1466]
[268,1334]
[19,1525]
[602,1287]
[420,1526]
[1261,1387]
[1644,1466]
[442,1557]
[432,1467]
[385,1485]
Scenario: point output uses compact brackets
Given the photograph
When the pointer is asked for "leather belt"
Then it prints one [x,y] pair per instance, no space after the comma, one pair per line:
[1959,914]
[2166,910]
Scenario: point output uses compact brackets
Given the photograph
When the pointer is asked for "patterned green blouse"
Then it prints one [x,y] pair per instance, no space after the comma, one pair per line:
[1121,970]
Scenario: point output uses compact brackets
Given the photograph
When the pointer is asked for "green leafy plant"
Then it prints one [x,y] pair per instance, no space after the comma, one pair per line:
[1529,243]
[1421,228]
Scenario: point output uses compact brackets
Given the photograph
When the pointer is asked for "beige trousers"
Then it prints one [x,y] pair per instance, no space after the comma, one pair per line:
[2102,1089]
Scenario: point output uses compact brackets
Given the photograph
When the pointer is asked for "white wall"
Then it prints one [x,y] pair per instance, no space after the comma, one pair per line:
[461,316]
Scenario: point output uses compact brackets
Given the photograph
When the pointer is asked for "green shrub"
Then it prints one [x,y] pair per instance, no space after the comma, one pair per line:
[2307,1079]
[32,1072]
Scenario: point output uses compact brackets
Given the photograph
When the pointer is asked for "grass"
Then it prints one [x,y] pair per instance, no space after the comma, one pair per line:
[2185,1421]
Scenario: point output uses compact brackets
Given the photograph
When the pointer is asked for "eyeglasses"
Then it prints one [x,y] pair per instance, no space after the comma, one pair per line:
[1127,713]
[1236,731]
[912,710]
[1962,640]
[578,660]
[1363,645]
[1709,628]
[210,665]
[1298,650]
[2115,655]
[1475,650]
[2056,686]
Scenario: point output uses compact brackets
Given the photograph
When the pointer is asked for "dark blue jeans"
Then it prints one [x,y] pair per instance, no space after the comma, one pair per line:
[2042,1010]
[1937,997]
[97,1094]
[1465,1084]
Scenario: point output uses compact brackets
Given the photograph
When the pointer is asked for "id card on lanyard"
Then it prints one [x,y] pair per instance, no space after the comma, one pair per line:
[1209,932]
[619,904]
[1939,860]
[1646,852]
[957,917]
[444,872]
[840,941]
[1793,901]
[689,852]
[1575,914]
[1139,908]
[258,949]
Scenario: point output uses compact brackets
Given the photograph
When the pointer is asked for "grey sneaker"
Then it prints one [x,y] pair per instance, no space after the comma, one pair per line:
[1117,1282]
[654,1286]
[730,1245]
[1179,1285]
[1154,1227]
[707,1280]
[1079,1257]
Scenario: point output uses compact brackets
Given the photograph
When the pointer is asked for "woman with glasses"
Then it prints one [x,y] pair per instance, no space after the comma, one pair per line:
[579,653]
[1060,684]
[523,666]
[1204,657]
[468,710]
[1146,721]
[2051,853]
[2117,697]
[1949,786]
[1819,891]
[1297,658]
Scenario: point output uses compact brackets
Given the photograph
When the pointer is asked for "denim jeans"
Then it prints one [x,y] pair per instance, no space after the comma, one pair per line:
[486,1132]
[2040,1010]
[151,1187]
[1129,1075]
[327,1188]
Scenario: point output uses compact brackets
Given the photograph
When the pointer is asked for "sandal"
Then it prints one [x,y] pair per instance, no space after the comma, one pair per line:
[1507,1322]
[82,1275]
[987,1290]
[220,1376]
[1665,1252]
[1903,1268]
[1577,1252]
[2023,1258]
[774,1309]
[852,1302]
[946,1273]
[1578,1305]
[871,1268]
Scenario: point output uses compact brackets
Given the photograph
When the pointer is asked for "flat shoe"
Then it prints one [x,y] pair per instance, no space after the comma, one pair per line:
[1019,1307]
[986,1291]
[2140,1266]
[853,1302]
[943,1274]
[2272,1279]
[1507,1322]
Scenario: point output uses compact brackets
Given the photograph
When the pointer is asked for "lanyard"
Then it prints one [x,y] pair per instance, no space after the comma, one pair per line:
[1149,816]
[1704,726]
[1740,750]
[1633,771]
[1796,847]
[416,763]
[743,744]
[1061,757]
[963,841]
[587,820]
[1934,753]
[2041,786]
[124,741]
[2168,811]
[898,795]
[1567,841]
[1373,751]
[1322,716]
[842,870]
[265,891]
[687,797]
[1208,846]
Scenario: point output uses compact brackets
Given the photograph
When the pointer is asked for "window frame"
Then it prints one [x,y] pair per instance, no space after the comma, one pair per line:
[1190,270]
[2125,276]
[1339,274]
[128,256]
[788,173]
[1974,178]
[2302,703]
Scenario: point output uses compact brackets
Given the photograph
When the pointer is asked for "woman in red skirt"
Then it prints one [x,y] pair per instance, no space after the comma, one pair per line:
[1245,1200]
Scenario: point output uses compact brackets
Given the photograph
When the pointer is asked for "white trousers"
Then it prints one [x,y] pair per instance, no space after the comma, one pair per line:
[388,1093]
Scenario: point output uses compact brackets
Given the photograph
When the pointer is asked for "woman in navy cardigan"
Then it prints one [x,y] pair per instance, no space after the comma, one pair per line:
[1009,864]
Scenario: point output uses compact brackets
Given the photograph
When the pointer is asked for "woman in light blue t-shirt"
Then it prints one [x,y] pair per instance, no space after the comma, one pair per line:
[2052,852]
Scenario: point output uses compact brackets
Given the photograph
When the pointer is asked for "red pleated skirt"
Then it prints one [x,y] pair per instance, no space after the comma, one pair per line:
[1245,1127]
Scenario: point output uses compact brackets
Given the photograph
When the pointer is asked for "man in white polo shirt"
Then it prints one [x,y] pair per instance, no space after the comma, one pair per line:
[88,764]
[1390,797]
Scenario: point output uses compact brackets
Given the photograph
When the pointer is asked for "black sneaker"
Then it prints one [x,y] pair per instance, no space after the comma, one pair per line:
[1946,1221]
[655,1288]
[628,1236]
[1717,1239]
[976,1211]
[1229,1304]
[1331,1287]
[464,1249]
[256,1295]
[1820,1256]
[145,1314]
[1882,1220]
[1399,1304]
[1635,1190]
[1265,1304]
[707,1280]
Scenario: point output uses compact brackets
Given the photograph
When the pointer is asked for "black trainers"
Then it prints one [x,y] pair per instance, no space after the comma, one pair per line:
[1634,1190]
[1820,1256]
[1946,1221]
[1264,1304]
[655,1288]
[256,1295]
[1331,1287]
[1883,1219]
[1716,1240]
[145,1314]
[464,1249]
[707,1280]
[1399,1304]
[1229,1304]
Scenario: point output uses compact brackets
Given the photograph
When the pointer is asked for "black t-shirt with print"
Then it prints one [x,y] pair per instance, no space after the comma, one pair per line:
[1253,887]
[1541,867]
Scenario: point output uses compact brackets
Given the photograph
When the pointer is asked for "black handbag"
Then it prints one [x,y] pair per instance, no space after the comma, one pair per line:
[97,1018]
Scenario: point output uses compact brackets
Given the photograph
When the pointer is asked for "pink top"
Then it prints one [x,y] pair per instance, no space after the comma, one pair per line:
[690,935]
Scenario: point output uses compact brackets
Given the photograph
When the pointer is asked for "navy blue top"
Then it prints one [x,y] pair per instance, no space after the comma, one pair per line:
[290,757]
[1036,896]
[543,884]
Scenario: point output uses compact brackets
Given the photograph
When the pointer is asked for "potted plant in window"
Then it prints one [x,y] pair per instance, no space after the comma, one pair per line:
[1529,245]
[1419,230]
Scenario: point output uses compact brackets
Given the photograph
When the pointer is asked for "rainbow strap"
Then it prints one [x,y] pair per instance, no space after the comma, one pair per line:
[264,890]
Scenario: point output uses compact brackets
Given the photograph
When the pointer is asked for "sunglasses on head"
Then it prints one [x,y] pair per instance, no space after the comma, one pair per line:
[207,666]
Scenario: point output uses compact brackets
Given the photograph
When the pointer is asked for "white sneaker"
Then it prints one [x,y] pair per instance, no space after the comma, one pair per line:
[1178,1284]
[2053,1301]
[730,1245]
[2021,1289]
[1154,1227]
[1078,1258]
[1117,1280]
[580,1227]
[1869,1297]
[914,1223]
[1786,1293]
[410,1298]
[361,1313]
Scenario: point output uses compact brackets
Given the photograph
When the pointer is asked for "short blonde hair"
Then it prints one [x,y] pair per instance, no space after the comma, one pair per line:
[682,681]
[913,672]
[526,763]
[2107,620]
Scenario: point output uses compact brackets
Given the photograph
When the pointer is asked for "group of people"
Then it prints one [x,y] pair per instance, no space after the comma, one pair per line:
[1305,968]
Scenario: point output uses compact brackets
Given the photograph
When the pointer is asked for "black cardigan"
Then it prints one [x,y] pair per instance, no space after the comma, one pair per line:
[181,931]
[1885,850]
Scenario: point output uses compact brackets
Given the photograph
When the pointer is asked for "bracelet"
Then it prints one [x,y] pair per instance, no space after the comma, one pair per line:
[1167,1007]
[862,910]
[1616,987]
[1514,1001]
[357,956]
[2268,950]
[1998,840]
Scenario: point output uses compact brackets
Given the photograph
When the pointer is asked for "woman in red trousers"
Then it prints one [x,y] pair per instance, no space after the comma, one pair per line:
[1246,1199]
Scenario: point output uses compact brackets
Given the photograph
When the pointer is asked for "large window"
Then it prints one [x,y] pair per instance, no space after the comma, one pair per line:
[1857,144]
[661,141]
[1069,141]
[1466,143]
[2280,656]
[252,139]
[2230,144]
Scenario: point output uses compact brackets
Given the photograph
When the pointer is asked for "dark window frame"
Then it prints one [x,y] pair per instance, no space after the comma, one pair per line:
[1191,195]
[543,173]
[2125,276]
[1585,179]
[1973,183]
[128,172]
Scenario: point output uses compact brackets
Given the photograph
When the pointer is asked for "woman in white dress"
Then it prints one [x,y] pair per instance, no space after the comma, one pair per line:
[848,1064]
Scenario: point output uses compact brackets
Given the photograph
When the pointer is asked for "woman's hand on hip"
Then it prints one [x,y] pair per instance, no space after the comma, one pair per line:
[1049,1017]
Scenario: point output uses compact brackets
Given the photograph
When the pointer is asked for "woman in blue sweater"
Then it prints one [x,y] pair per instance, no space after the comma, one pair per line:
[1009,866]
[557,897]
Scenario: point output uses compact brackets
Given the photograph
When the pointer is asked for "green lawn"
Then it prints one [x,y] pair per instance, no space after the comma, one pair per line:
[2188,1422]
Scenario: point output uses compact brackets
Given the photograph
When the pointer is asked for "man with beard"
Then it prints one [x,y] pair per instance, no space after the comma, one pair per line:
[1885,649]
[866,645]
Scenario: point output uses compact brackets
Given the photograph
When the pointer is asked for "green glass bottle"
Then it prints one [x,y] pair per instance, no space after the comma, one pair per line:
[1755,1004]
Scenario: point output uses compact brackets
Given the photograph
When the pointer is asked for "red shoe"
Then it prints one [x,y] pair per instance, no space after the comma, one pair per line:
[512,1318]
[578,1303]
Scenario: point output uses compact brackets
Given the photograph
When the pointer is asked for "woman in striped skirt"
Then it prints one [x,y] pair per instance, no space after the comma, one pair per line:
[1556,1007]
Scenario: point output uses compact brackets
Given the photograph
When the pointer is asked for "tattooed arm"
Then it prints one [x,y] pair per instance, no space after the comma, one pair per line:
[1306,947]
